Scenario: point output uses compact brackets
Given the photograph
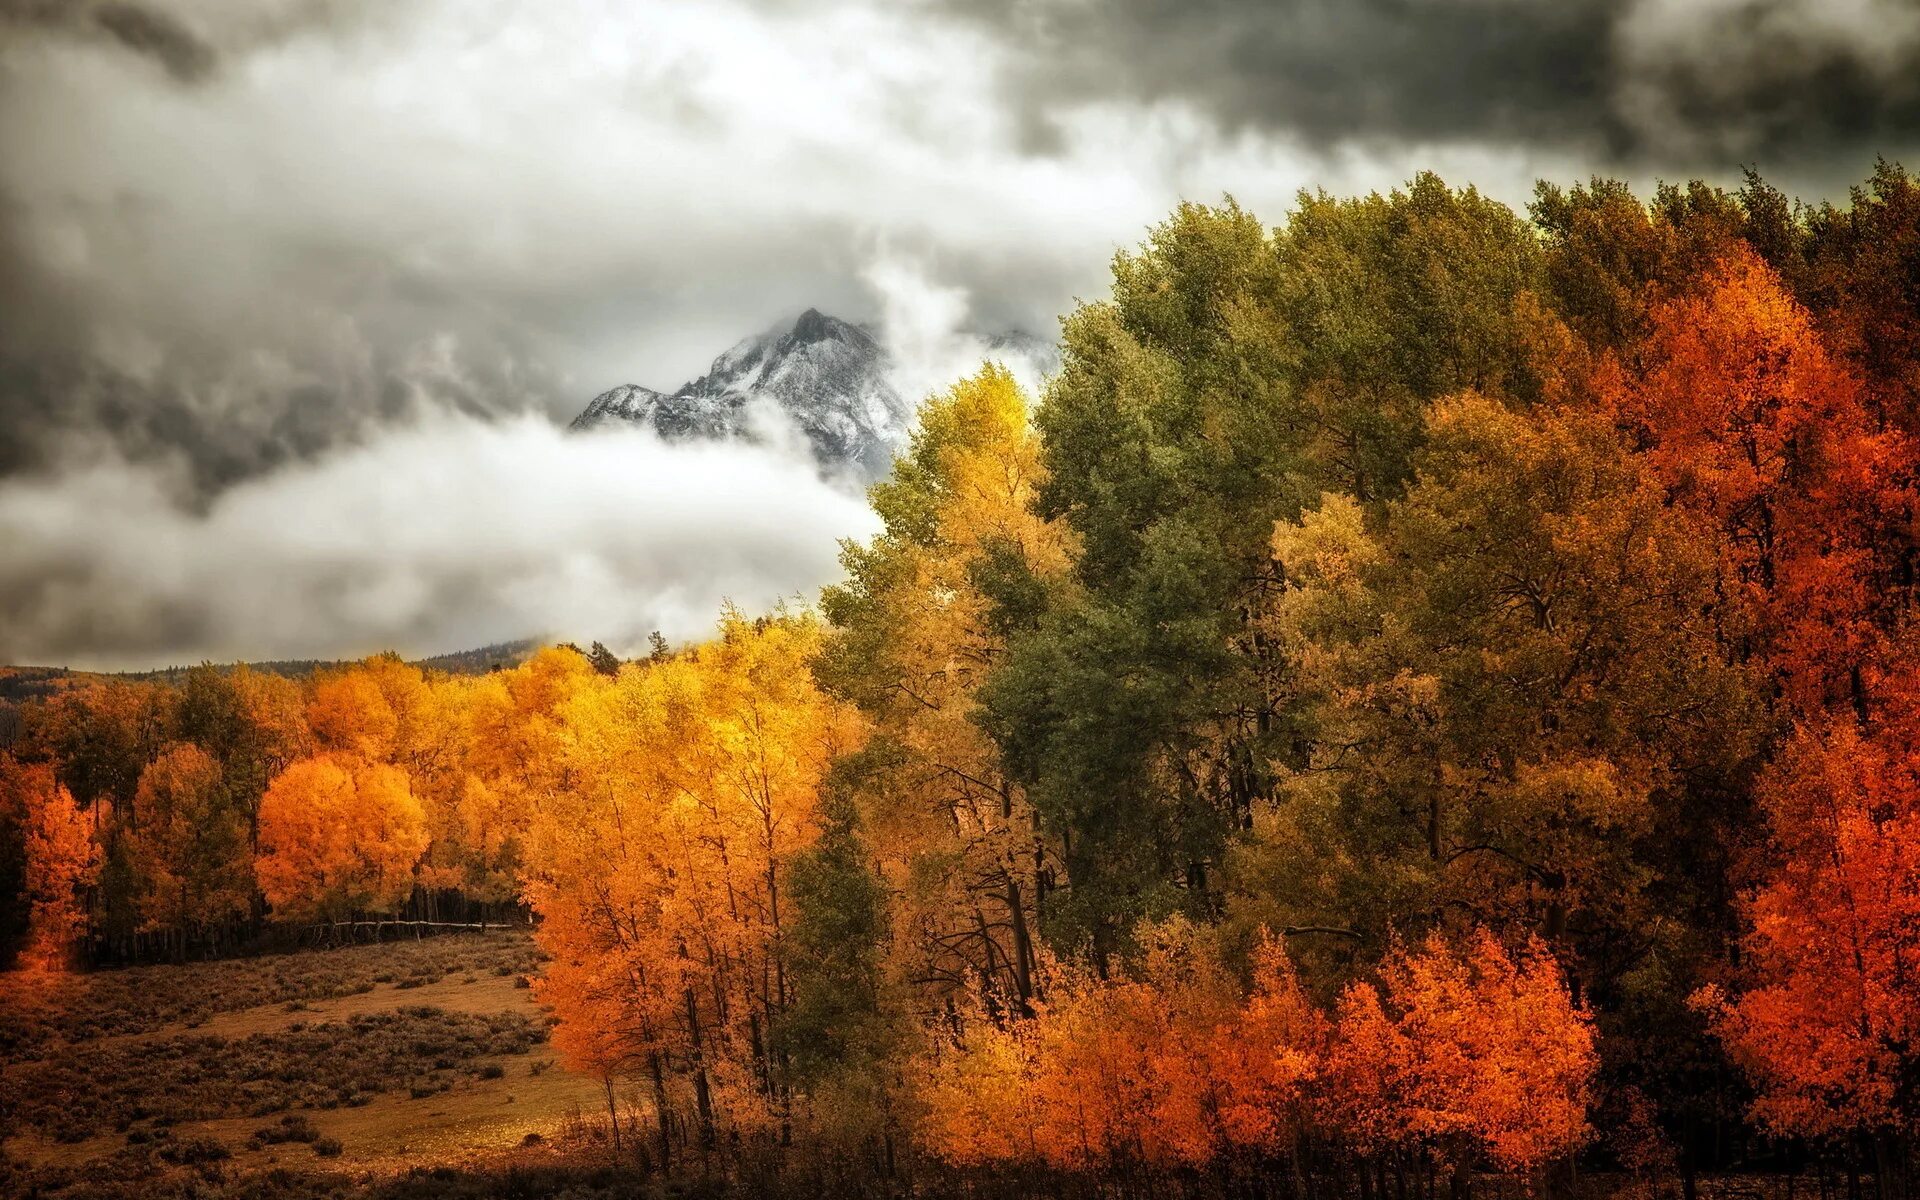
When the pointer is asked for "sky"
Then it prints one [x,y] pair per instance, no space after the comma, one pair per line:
[294,292]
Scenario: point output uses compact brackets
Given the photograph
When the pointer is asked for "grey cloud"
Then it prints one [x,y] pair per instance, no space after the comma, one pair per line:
[150,33]
[245,242]
[434,535]
[1662,83]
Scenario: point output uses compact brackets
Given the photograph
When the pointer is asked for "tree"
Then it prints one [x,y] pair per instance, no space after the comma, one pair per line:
[100,737]
[339,835]
[509,759]
[190,851]
[1234,377]
[1167,1068]
[1502,693]
[1829,1024]
[61,859]
[661,871]
[603,660]
[252,723]
[1751,424]
[922,617]
[1466,1049]
[1611,259]
[844,1026]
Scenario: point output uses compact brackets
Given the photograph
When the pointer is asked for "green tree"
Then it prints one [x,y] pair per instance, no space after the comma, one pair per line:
[1235,374]
[844,1026]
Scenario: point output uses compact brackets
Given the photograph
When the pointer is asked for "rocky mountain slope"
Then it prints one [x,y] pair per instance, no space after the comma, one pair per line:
[829,380]
[822,376]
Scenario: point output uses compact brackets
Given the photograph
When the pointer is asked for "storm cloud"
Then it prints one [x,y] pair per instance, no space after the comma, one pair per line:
[1687,85]
[249,246]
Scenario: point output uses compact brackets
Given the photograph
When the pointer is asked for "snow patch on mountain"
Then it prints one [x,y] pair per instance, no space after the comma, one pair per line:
[827,383]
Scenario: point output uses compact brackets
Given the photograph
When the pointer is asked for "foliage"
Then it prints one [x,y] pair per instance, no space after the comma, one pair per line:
[1416,677]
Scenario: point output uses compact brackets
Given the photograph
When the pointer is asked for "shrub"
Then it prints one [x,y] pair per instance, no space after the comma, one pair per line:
[194,1151]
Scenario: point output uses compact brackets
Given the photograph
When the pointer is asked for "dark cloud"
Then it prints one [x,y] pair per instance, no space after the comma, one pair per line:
[281,279]
[229,382]
[151,33]
[1668,83]
[158,36]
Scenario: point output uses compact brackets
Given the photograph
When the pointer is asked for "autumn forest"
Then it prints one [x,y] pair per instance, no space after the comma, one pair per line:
[1425,702]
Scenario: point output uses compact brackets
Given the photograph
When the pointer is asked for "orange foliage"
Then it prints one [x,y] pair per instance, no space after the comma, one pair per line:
[1468,1050]
[1832,1031]
[1754,425]
[658,865]
[338,835]
[61,859]
[1172,1069]
[1271,1057]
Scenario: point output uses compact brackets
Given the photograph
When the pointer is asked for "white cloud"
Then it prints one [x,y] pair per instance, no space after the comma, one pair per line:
[449,533]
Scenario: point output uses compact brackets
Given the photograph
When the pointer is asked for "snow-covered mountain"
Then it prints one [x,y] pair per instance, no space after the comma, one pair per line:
[827,377]
[831,380]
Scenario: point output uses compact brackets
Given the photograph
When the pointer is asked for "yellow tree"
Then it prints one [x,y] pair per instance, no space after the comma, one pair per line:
[338,835]
[924,614]
[511,741]
[659,869]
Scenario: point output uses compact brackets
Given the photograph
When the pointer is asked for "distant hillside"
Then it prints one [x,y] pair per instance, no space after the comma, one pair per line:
[29,683]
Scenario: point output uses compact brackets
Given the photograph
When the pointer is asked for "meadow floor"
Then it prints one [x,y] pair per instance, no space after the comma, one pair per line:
[366,1059]
[415,1070]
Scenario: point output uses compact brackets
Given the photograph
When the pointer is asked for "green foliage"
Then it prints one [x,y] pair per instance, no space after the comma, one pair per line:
[1234,375]
[836,1020]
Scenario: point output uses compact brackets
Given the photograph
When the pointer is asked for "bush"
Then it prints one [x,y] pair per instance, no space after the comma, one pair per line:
[193,1151]
[74,1008]
[192,1077]
[292,1128]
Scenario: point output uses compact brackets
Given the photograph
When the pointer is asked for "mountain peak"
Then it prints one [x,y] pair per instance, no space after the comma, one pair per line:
[828,377]
[815,326]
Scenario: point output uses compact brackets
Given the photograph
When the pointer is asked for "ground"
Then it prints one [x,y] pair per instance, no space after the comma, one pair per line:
[366,1059]
[415,1070]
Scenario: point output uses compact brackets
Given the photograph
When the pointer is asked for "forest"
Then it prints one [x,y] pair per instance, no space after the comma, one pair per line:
[1426,700]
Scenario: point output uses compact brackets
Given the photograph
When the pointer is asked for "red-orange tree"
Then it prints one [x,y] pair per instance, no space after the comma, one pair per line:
[1751,422]
[1466,1049]
[1831,1031]
[62,861]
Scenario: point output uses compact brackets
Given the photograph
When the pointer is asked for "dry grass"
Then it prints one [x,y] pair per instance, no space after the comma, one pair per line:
[324,1073]
[91,1088]
[39,1013]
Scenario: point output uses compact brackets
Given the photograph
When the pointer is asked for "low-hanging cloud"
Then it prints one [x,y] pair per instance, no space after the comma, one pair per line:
[447,532]
[932,332]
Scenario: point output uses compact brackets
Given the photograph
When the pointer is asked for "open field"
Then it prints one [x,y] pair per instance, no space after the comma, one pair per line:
[356,1061]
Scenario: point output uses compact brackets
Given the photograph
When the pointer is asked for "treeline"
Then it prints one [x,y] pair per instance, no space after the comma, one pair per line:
[1425,691]
[145,819]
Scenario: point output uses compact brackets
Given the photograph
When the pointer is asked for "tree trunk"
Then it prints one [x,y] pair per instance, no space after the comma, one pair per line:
[661,1117]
